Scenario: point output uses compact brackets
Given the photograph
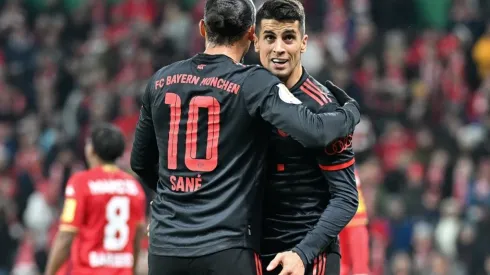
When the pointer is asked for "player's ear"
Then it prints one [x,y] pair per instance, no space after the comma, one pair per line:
[251,34]
[304,43]
[202,28]
[256,44]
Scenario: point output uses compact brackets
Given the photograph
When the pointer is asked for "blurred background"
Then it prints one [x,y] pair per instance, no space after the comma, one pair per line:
[419,68]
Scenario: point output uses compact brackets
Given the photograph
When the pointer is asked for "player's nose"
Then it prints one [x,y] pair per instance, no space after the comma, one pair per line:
[279,48]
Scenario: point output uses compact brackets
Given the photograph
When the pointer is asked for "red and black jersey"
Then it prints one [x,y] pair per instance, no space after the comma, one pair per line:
[311,193]
[201,143]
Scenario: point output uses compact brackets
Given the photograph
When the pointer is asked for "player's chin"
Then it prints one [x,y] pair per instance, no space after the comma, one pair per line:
[279,71]
[281,74]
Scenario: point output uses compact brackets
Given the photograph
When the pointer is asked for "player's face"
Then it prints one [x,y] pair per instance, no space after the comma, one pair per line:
[280,45]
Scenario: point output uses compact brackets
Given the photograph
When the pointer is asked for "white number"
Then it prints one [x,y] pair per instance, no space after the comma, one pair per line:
[116,231]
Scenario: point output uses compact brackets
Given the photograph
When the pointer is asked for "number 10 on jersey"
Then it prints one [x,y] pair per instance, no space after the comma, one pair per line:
[192,163]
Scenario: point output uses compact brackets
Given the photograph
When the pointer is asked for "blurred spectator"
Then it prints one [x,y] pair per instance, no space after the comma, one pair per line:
[401,264]
[481,53]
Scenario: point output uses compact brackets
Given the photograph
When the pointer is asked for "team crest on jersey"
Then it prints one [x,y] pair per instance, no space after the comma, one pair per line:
[286,95]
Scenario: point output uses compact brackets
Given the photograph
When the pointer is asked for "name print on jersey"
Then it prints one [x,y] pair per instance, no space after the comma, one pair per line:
[209,163]
[185,184]
[214,82]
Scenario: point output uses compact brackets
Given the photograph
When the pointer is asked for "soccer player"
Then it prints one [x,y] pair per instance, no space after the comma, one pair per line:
[354,241]
[205,124]
[311,194]
[103,219]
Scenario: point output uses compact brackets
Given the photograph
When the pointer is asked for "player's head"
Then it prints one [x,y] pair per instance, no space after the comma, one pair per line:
[104,145]
[281,37]
[228,22]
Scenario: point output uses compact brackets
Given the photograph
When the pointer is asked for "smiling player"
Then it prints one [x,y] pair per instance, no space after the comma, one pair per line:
[311,195]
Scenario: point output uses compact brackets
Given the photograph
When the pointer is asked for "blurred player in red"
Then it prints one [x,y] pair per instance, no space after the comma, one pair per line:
[103,219]
[354,241]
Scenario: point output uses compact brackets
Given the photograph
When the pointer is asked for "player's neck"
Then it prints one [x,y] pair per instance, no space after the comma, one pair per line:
[108,167]
[232,52]
[294,77]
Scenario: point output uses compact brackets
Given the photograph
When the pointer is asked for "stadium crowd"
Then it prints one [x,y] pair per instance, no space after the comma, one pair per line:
[420,69]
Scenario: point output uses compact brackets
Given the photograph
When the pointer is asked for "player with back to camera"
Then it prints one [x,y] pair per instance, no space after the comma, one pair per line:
[201,143]
[103,218]
[311,193]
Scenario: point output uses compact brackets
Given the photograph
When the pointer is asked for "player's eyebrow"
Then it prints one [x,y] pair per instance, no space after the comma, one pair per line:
[269,32]
[289,31]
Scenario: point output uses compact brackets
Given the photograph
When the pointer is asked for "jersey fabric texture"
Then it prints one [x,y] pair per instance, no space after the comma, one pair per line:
[104,206]
[201,144]
[302,182]
[236,261]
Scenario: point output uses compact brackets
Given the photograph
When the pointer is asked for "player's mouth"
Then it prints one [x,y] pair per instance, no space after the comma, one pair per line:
[279,63]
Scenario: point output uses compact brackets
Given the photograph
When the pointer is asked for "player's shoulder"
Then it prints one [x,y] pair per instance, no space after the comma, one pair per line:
[256,69]
[126,175]
[318,92]
[77,181]
[259,77]
[169,69]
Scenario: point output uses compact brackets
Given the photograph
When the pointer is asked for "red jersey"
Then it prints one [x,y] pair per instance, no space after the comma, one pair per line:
[104,205]
[354,241]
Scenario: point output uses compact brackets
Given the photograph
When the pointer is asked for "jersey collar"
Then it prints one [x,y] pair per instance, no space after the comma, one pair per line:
[303,78]
[212,57]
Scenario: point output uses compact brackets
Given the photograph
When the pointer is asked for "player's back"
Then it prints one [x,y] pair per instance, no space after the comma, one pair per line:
[211,153]
[109,206]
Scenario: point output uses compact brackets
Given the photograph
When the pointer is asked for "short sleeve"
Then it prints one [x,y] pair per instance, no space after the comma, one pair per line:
[74,205]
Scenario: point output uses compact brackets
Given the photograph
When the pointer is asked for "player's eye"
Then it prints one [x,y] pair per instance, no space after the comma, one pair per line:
[289,38]
[269,38]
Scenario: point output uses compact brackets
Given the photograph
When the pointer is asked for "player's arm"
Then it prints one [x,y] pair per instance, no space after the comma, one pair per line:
[144,155]
[266,97]
[70,222]
[140,228]
[60,251]
[338,213]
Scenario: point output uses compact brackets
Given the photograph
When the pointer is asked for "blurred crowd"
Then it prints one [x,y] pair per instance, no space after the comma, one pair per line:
[419,68]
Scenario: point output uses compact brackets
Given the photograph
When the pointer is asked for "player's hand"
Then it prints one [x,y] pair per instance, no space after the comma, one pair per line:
[341,96]
[291,264]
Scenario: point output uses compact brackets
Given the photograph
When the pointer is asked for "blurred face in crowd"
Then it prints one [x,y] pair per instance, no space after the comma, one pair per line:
[280,45]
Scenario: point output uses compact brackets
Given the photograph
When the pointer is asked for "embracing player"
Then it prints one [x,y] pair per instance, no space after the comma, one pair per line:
[311,193]
[103,218]
[205,125]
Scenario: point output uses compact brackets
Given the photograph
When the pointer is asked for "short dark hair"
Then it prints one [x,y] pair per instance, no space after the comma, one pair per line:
[227,21]
[107,141]
[282,10]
